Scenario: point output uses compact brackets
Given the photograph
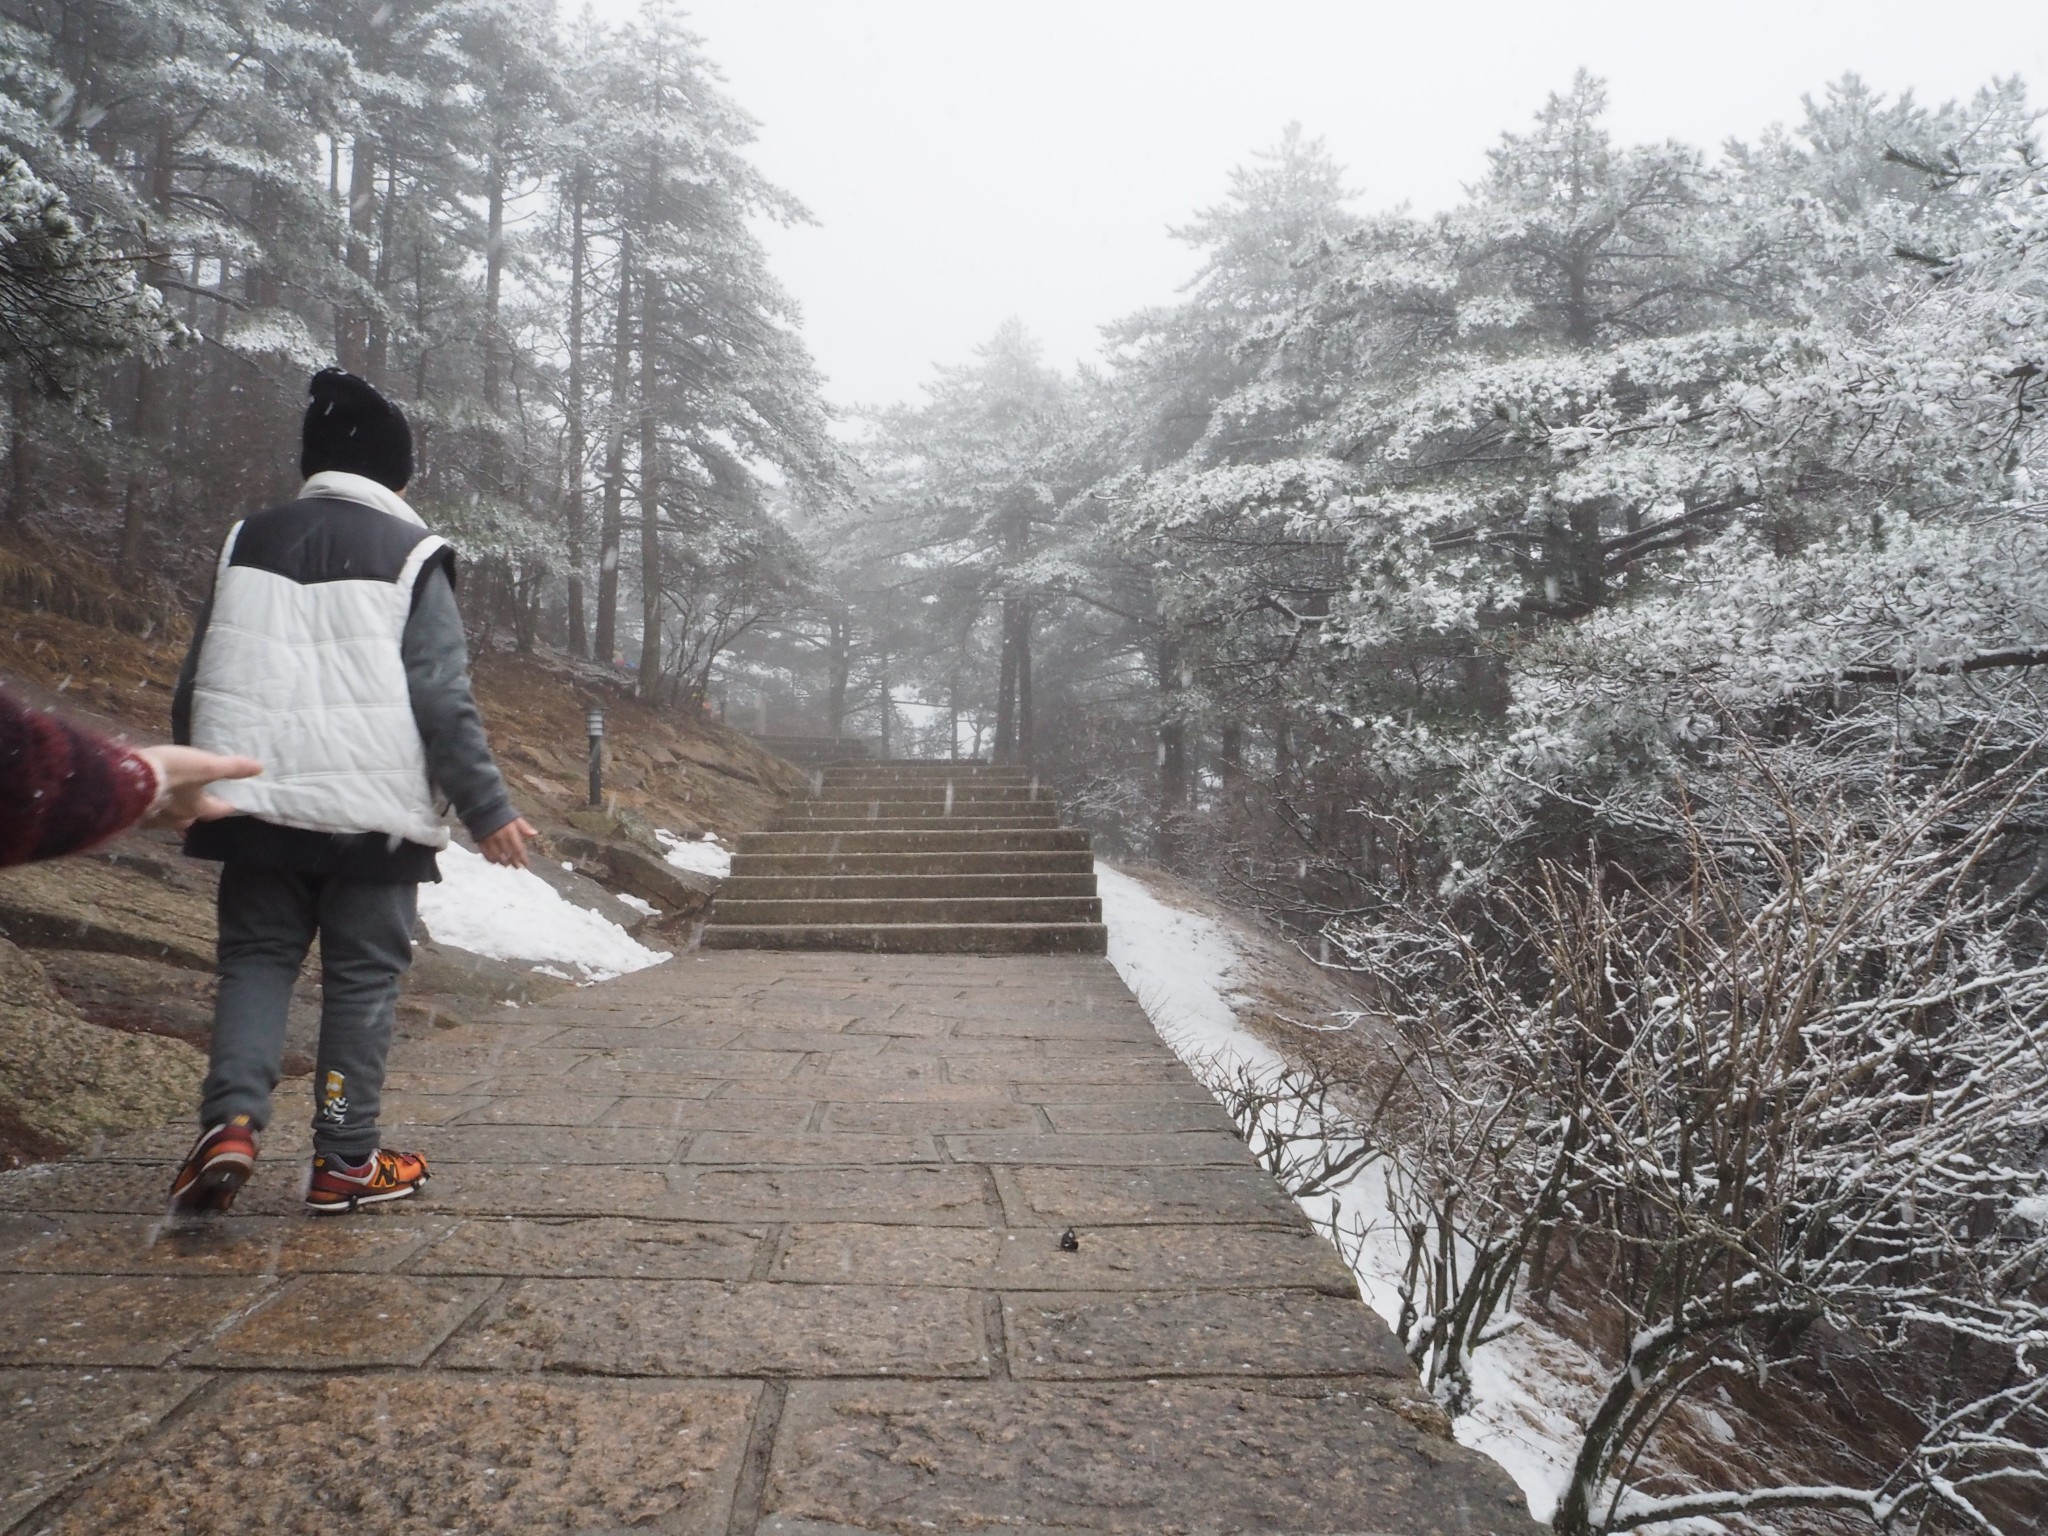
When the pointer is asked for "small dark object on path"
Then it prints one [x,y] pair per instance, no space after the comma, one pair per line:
[1068,1242]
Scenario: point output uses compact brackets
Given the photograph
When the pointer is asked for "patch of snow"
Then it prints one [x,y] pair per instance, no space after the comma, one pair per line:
[2034,1208]
[703,858]
[1177,964]
[513,914]
[647,908]
[1527,1385]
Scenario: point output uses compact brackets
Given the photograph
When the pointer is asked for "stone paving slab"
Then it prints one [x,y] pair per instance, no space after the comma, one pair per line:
[1197,1333]
[324,1321]
[511,1144]
[748,1243]
[239,1245]
[1065,1197]
[699,1328]
[594,1248]
[308,1455]
[61,1424]
[1053,1150]
[762,1150]
[1111,1258]
[1132,1458]
[114,1319]
[760,1116]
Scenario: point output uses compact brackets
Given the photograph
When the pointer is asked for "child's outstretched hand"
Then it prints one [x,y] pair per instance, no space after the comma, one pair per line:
[184,773]
[507,845]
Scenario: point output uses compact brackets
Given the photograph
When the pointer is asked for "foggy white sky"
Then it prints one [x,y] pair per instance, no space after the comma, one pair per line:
[970,160]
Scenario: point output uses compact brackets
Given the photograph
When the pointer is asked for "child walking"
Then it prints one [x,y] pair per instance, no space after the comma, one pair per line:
[331,649]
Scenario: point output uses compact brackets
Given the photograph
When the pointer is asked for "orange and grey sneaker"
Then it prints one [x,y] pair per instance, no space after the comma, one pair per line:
[216,1168]
[337,1186]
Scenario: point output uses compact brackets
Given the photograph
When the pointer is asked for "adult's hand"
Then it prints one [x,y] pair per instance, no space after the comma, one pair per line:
[184,773]
[507,845]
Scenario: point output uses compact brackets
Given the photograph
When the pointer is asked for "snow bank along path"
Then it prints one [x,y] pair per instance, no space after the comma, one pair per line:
[513,914]
[1179,965]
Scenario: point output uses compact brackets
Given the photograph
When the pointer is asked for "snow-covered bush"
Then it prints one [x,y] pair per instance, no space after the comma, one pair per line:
[1789,1108]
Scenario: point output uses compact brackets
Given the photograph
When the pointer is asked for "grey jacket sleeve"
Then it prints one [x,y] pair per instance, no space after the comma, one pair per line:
[437,675]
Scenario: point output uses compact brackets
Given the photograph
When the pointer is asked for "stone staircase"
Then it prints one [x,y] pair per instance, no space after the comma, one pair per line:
[914,857]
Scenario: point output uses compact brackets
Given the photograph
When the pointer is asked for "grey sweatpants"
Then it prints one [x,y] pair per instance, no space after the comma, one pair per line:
[268,918]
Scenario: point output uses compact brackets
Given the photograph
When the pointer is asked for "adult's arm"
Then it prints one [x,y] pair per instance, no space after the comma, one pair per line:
[444,707]
[63,788]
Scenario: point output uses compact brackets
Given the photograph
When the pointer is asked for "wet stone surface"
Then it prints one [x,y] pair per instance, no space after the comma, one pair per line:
[61,1423]
[750,1243]
[1136,1458]
[1197,1333]
[310,1455]
[594,1248]
[336,1320]
[699,1328]
[238,1245]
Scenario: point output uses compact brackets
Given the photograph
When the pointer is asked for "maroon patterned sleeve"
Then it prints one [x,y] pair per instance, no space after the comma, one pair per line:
[62,788]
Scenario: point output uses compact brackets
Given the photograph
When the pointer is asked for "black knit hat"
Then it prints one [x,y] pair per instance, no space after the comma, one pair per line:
[352,428]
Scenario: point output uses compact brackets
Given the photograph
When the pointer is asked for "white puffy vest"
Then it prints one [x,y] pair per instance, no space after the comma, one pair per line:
[301,666]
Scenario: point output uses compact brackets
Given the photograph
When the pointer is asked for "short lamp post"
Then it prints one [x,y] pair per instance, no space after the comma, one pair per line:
[593,721]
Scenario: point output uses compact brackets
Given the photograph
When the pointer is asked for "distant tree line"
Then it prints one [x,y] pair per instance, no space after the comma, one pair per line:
[537,236]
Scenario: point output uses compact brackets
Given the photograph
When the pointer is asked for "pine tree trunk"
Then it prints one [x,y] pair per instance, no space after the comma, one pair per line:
[144,446]
[377,363]
[1230,757]
[19,480]
[1006,688]
[572,505]
[650,498]
[1025,757]
[1173,760]
[605,644]
[494,281]
[841,665]
[887,710]
[353,340]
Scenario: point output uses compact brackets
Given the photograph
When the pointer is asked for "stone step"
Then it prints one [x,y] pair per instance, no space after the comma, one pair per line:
[853,887]
[925,786]
[939,793]
[894,840]
[910,912]
[972,826]
[1001,863]
[917,938]
[925,773]
[931,810]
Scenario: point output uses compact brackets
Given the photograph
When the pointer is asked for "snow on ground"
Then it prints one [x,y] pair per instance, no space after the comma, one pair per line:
[1181,966]
[1177,964]
[704,858]
[513,914]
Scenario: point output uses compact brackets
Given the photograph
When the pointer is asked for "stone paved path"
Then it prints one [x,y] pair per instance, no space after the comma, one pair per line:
[751,1242]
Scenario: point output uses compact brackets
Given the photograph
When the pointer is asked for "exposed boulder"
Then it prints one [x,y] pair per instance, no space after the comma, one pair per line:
[64,1080]
[97,904]
[680,893]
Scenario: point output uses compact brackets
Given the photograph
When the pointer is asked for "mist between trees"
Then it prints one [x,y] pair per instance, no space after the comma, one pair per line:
[1604,621]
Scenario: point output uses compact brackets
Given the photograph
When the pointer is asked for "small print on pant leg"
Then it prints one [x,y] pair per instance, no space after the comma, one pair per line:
[334,1099]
